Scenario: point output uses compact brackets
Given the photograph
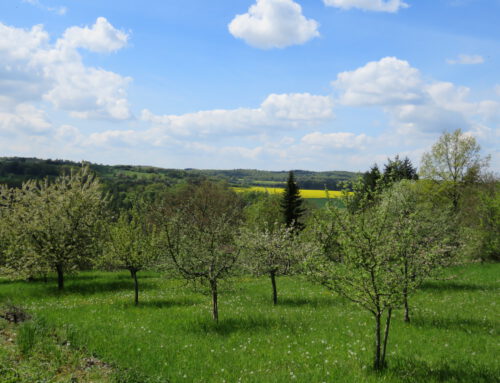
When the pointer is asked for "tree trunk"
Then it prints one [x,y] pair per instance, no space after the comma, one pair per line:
[386,337]
[405,294]
[275,291]
[215,307]
[133,272]
[407,307]
[60,277]
[376,361]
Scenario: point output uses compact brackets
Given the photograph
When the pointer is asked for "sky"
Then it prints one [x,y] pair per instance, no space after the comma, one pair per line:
[255,84]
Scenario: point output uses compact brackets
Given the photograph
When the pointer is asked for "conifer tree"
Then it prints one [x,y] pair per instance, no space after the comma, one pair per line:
[292,204]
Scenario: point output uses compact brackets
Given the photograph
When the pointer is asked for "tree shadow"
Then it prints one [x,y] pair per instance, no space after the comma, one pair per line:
[312,302]
[467,325]
[92,288]
[454,286]
[226,327]
[162,303]
[416,371]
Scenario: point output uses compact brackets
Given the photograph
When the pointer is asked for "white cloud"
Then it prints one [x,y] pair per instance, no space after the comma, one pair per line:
[24,119]
[60,10]
[277,110]
[33,69]
[340,140]
[385,82]
[497,89]
[274,24]
[466,60]
[415,106]
[391,6]
[101,37]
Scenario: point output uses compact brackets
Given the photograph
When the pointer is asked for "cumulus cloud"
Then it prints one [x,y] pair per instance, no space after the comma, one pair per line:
[24,119]
[413,104]
[466,60]
[391,6]
[274,24]
[101,37]
[33,69]
[277,111]
[385,82]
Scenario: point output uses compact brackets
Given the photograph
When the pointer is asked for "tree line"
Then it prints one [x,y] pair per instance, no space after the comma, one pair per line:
[391,232]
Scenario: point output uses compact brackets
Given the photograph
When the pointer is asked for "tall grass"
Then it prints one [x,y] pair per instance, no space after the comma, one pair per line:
[310,336]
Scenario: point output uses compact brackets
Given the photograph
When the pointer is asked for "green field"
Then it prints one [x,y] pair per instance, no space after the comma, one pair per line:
[311,336]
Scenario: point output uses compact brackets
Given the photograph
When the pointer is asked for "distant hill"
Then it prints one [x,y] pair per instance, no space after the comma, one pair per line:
[125,181]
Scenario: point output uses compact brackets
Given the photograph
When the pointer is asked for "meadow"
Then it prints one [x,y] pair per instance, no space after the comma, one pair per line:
[310,336]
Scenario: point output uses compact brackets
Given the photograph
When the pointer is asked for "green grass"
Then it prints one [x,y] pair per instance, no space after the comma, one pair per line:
[311,336]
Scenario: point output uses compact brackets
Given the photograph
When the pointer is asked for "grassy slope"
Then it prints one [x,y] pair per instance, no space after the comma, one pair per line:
[311,336]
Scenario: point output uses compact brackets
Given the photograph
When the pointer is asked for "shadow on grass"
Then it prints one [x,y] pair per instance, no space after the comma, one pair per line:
[230,326]
[163,303]
[313,302]
[454,286]
[91,288]
[413,371]
[467,325]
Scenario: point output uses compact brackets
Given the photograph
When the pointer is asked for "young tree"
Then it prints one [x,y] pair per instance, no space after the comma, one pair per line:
[453,161]
[131,245]
[200,227]
[291,204]
[59,223]
[365,262]
[426,235]
[270,252]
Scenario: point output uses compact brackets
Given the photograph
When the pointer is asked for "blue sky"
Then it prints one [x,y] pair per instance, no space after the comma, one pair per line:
[267,84]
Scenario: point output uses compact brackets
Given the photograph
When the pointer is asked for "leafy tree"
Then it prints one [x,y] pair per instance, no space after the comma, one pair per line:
[264,213]
[453,161]
[271,251]
[59,223]
[291,204]
[200,226]
[426,235]
[19,260]
[131,245]
[365,261]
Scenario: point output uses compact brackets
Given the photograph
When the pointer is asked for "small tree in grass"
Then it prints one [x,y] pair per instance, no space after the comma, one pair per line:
[131,245]
[366,261]
[270,252]
[199,229]
[426,235]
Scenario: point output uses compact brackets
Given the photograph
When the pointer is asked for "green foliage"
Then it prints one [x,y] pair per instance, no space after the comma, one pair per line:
[131,243]
[264,212]
[55,225]
[291,204]
[453,162]
[398,169]
[378,253]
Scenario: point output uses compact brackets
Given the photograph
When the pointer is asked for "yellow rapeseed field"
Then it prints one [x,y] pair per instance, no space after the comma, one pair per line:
[303,193]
